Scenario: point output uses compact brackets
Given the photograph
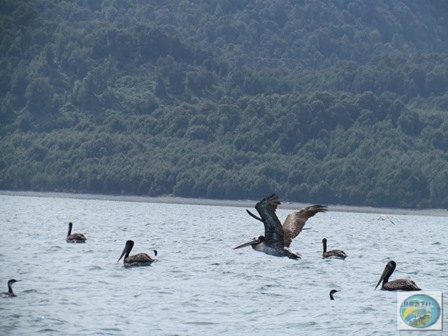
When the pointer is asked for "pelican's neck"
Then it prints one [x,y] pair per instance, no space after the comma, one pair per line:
[259,246]
[128,250]
[69,229]
[324,243]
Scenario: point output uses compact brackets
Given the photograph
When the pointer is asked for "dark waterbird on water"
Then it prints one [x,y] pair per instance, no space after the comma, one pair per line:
[398,284]
[139,259]
[278,238]
[333,254]
[10,293]
[332,293]
[74,237]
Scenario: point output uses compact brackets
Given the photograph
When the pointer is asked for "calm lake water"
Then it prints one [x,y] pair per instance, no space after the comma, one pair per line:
[199,284]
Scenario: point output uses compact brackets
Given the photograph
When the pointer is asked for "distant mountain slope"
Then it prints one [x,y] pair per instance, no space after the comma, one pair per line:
[321,101]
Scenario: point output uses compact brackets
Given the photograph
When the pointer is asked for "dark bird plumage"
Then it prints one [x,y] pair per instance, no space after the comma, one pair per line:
[10,292]
[277,238]
[139,259]
[395,285]
[332,293]
[74,237]
[334,254]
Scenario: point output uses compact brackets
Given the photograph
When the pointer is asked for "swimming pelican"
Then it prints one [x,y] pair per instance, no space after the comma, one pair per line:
[333,254]
[139,259]
[10,293]
[398,284]
[332,292]
[74,237]
[278,238]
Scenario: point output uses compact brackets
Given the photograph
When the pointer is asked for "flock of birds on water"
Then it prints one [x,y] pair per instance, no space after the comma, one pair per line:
[275,242]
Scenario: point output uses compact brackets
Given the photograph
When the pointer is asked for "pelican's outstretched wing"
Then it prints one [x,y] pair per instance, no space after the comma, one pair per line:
[295,221]
[272,226]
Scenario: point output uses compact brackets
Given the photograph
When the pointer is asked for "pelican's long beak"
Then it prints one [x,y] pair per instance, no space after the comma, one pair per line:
[122,254]
[386,271]
[127,248]
[251,242]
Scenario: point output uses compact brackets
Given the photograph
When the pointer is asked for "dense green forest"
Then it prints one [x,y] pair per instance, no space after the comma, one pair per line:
[334,102]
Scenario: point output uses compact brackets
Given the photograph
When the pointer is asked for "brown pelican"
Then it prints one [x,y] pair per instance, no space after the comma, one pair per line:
[332,292]
[139,259]
[278,238]
[333,254]
[74,237]
[10,293]
[398,284]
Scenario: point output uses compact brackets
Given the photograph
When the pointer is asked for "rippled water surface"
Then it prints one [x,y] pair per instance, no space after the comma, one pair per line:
[199,284]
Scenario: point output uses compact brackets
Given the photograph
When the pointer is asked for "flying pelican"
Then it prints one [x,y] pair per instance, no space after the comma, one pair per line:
[332,292]
[139,259]
[10,293]
[398,284]
[74,237]
[278,238]
[333,254]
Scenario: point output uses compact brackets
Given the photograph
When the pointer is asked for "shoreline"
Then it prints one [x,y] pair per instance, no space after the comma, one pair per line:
[219,202]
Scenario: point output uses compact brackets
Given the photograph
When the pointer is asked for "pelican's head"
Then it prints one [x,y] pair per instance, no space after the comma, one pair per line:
[254,241]
[388,270]
[127,249]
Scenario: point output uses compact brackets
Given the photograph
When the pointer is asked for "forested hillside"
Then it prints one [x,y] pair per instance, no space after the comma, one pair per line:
[334,102]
